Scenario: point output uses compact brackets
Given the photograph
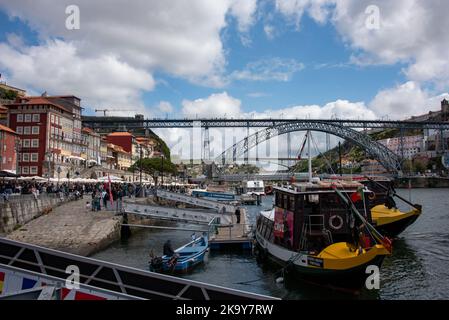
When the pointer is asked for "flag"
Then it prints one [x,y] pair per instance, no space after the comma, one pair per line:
[388,244]
[357,196]
[110,191]
[2,280]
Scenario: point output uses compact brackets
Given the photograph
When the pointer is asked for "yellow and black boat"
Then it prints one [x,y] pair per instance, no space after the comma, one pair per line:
[386,217]
[320,233]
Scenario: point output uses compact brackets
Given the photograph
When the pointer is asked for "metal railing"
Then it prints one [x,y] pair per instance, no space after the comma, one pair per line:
[113,277]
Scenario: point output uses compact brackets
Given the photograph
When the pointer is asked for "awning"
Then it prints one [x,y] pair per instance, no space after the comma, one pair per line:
[76,158]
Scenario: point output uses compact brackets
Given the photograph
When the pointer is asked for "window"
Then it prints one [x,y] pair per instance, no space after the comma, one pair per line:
[36,118]
[25,170]
[52,118]
[35,143]
[19,158]
[33,170]
[27,117]
[26,157]
[35,130]
[20,118]
[292,203]
[19,130]
[26,143]
[26,130]
[34,157]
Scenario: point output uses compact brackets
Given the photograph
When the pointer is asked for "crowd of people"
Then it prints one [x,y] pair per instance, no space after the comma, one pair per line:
[100,192]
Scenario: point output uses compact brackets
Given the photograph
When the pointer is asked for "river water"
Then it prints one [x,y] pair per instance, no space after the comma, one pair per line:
[418,268]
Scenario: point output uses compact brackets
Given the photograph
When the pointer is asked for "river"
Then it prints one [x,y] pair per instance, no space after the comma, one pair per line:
[418,268]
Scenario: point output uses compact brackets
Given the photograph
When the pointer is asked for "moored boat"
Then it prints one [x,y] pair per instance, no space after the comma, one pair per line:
[386,217]
[185,258]
[321,232]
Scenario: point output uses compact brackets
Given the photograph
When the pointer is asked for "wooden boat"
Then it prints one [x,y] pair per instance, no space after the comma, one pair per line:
[320,232]
[185,258]
[386,217]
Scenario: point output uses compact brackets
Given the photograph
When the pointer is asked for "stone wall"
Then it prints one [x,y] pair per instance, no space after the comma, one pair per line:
[20,210]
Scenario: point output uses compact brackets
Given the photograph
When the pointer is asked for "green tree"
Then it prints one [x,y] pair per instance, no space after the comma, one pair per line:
[153,166]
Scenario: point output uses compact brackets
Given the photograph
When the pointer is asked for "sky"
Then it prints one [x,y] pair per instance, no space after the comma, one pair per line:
[358,59]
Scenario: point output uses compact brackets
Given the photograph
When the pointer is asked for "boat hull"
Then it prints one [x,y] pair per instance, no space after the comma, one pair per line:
[351,278]
[394,229]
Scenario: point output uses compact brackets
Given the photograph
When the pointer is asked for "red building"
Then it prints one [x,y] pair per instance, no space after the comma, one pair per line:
[50,132]
[8,144]
[122,139]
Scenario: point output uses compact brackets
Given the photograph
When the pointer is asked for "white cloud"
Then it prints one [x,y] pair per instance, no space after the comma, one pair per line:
[215,106]
[270,31]
[272,69]
[165,107]
[412,32]
[140,37]
[404,101]
[57,68]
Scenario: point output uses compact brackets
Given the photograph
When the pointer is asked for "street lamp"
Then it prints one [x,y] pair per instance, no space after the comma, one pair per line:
[162,169]
[48,154]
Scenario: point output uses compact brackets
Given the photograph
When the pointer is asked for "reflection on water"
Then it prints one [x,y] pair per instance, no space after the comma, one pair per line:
[416,270]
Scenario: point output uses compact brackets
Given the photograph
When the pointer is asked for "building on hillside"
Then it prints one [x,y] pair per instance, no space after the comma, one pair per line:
[9,141]
[148,146]
[122,158]
[91,149]
[408,146]
[8,94]
[3,115]
[50,132]
[372,168]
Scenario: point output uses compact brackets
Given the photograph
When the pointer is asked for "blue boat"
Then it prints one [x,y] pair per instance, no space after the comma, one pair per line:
[199,193]
[185,258]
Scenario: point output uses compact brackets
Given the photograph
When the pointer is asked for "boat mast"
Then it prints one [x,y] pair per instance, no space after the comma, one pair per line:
[309,155]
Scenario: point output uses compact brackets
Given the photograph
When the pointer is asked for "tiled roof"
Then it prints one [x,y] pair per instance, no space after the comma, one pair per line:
[120,134]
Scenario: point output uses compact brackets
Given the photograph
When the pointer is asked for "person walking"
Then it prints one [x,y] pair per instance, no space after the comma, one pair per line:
[105,199]
[237,214]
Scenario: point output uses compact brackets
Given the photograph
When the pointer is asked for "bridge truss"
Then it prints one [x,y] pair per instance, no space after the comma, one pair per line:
[381,153]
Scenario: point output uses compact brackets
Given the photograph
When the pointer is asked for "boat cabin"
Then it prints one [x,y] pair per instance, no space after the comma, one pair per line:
[310,216]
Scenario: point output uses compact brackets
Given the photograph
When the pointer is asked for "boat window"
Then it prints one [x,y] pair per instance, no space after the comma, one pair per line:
[285,201]
[267,227]
[277,198]
[263,228]
[313,198]
[292,203]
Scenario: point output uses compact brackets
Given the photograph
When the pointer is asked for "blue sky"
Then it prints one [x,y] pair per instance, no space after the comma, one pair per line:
[227,57]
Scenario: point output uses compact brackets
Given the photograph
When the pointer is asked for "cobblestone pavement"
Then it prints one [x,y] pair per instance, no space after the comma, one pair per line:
[72,228]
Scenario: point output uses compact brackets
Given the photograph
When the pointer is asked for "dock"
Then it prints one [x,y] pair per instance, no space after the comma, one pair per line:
[29,270]
[234,235]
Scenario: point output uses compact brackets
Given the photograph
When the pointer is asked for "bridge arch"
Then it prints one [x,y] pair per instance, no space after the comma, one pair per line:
[378,151]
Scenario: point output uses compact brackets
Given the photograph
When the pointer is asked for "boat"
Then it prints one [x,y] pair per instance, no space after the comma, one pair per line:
[387,218]
[268,190]
[185,258]
[205,193]
[321,232]
[314,233]
[255,187]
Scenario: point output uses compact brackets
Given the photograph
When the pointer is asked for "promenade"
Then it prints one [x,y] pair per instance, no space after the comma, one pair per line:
[71,228]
